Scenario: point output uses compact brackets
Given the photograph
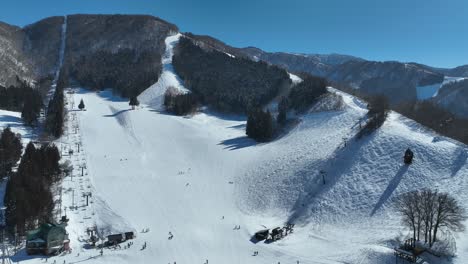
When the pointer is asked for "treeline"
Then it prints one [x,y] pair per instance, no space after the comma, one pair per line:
[28,196]
[180,103]
[55,111]
[426,212]
[226,83]
[105,69]
[22,98]
[440,120]
[378,111]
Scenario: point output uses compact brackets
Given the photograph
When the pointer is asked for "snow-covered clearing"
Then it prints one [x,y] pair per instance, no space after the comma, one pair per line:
[429,91]
[13,120]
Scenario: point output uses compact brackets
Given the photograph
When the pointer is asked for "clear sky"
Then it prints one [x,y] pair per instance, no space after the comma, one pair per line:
[433,32]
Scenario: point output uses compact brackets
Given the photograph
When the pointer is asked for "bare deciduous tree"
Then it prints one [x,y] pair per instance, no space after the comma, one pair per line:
[428,212]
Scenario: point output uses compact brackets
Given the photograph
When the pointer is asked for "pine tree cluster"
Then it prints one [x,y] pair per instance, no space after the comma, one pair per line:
[127,71]
[22,98]
[228,84]
[134,102]
[55,110]
[305,93]
[260,125]
[10,151]
[28,196]
[180,103]
[378,111]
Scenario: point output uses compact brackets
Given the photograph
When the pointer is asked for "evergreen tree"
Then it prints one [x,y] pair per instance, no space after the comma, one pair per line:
[134,102]
[55,112]
[81,106]
[10,150]
[28,194]
[28,114]
[259,125]
[282,110]
[305,93]
[180,103]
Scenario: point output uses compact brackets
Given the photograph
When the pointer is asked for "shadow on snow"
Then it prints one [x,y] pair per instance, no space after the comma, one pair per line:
[238,143]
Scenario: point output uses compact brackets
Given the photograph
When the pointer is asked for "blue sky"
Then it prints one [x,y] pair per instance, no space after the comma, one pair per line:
[431,32]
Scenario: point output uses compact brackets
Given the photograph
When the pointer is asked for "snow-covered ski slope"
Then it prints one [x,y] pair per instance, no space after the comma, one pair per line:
[198,177]
[429,91]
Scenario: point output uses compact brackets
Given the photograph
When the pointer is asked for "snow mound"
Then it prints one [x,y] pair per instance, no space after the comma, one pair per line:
[154,95]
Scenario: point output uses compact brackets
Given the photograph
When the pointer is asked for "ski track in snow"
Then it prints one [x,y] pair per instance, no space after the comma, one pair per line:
[154,95]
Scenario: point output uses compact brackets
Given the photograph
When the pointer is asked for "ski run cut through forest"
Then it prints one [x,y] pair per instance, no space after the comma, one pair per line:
[196,189]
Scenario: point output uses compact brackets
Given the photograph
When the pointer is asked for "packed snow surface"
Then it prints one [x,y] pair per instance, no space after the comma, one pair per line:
[198,177]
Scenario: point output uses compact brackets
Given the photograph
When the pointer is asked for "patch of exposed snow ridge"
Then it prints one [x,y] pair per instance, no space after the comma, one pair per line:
[294,78]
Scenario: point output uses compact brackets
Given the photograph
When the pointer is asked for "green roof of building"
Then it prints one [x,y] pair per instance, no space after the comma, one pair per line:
[41,232]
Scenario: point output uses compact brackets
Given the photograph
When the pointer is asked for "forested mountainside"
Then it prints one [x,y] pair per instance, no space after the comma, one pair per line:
[12,60]
[119,51]
[397,81]
[224,81]
[461,71]
[316,64]
[124,52]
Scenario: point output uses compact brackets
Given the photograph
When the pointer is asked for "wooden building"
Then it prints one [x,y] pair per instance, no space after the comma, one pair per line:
[47,239]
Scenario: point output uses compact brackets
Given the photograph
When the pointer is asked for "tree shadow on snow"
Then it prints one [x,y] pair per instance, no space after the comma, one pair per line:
[238,143]
[106,94]
[240,126]
[21,256]
[392,185]
[335,166]
[117,113]
[11,121]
